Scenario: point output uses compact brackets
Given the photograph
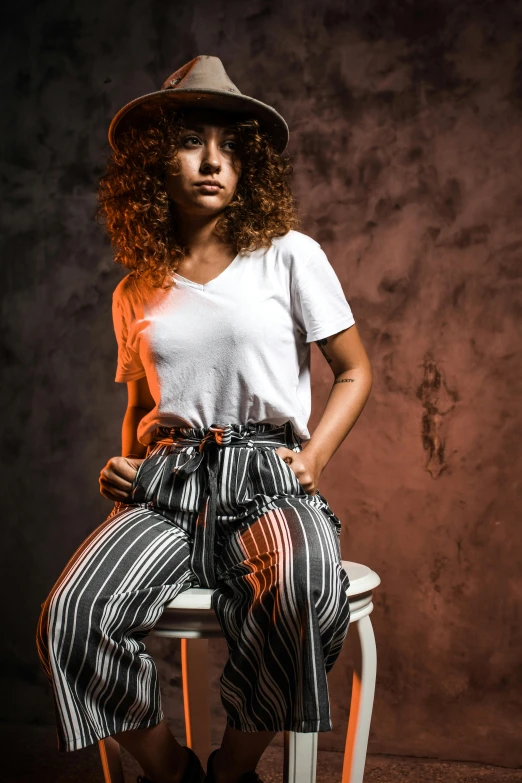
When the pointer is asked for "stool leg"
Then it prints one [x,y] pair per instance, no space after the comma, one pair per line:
[363,690]
[194,673]
[111,760]
[300,757]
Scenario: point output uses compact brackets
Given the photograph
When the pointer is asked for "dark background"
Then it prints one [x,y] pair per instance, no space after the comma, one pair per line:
[405,133]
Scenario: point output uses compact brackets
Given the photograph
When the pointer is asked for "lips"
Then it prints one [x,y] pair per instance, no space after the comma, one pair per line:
[209,190]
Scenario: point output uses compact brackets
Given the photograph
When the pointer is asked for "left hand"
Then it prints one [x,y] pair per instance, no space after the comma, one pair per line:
[305,467]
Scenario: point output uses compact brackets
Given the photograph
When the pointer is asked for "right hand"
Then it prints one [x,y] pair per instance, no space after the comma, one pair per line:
[117,476]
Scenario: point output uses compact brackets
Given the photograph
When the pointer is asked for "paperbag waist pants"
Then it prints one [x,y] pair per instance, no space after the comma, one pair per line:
[211,507]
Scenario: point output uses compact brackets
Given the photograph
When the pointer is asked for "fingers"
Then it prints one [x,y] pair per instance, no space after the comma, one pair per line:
[116,498]
[124,467]
[117,477]
[113,492]
[302,470]
[288,457]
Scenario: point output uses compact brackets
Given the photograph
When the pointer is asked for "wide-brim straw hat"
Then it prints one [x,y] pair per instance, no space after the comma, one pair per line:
[202,82]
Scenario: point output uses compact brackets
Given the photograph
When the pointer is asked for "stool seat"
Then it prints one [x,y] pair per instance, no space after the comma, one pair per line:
[190,617]
[362,579]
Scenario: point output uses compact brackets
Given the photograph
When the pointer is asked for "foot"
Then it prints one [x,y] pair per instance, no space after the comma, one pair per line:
[190,771]
[180,773]
[250,777]
[216,775]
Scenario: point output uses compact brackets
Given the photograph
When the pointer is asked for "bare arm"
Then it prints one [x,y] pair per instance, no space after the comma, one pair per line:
[140,402]
[351,368]
[118,474]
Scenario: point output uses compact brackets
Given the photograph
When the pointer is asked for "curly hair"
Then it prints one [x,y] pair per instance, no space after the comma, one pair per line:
[137,212]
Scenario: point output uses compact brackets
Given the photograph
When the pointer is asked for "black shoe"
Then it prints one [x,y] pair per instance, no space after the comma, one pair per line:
[248,777]
[194,773]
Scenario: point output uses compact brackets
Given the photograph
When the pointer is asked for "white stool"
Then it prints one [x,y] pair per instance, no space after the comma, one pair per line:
[189,617]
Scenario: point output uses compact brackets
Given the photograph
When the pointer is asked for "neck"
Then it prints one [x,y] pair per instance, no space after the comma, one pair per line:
[197,232]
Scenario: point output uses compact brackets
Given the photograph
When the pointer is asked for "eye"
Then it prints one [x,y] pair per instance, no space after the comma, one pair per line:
[196,139]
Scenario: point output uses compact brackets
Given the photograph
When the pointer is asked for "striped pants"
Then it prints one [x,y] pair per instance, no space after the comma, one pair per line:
[211,507]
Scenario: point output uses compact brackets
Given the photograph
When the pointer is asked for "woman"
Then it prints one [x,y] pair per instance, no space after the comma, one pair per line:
[217,484]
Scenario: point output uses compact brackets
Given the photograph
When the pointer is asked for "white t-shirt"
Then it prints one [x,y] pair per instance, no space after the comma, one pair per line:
[235,350]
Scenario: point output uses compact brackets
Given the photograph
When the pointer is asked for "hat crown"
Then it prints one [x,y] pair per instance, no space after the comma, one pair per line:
[204,73]
[202,82]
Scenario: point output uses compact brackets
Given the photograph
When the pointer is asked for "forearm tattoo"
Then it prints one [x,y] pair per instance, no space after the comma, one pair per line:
[320,344]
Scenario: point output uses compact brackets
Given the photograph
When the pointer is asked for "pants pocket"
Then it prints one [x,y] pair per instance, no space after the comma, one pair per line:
[288,469]
[135,480]
[156,474]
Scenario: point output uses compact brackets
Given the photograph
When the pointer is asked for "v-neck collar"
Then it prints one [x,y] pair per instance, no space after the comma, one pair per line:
[210,284]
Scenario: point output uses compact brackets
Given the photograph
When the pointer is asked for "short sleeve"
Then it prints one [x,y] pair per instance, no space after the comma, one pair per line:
[319,304]
[129,365]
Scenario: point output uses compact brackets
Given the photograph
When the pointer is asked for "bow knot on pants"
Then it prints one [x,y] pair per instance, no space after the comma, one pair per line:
[214,507]
[207,457]
[220,435]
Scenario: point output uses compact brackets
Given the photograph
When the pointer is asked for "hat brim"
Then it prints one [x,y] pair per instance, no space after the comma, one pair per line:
[143,109]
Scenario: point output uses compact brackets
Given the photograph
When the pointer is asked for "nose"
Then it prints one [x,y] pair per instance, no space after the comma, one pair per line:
[211,157]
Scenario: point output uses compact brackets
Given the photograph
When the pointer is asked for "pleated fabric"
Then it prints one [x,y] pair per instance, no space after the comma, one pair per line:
[213,507]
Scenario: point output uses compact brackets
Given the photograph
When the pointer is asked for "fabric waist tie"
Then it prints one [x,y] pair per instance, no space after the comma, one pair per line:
[209,441]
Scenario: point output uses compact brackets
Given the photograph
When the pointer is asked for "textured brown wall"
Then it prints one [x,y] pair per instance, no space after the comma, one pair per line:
[405,124]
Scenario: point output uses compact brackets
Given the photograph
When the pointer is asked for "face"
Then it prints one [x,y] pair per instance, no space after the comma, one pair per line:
[208,151]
